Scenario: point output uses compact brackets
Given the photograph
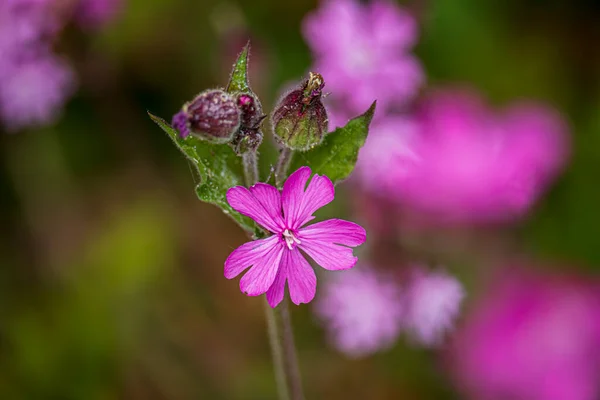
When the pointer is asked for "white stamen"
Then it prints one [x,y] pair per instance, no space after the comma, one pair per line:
[290,239]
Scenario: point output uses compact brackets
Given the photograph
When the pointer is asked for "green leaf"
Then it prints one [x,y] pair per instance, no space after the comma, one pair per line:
[238,81]
[337,155]
[217,167]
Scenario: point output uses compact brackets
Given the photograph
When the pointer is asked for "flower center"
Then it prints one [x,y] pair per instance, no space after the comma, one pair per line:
[290,240]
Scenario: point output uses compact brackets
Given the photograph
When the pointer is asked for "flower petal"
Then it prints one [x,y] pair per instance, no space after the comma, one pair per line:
[299,204]
[247,255]
[336,231]
[292,193]
[261,202]
[328,255]
[300,276]
[261,276]
[302,280]
[277,290]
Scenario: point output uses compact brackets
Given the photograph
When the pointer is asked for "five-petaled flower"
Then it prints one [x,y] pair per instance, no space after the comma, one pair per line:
[278,258]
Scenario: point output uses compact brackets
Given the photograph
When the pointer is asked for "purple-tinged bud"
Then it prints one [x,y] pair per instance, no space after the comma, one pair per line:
[300,120]
[180,123]
[213,115]
[251,110]
[221,117]
[248,137]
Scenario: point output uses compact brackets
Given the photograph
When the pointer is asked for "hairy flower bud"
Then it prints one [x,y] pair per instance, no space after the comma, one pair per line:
[300,120]
[213,115]
[248,137]
[251,110]
[180,123]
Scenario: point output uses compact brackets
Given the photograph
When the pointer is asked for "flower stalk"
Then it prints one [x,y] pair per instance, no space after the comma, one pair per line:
[285,156]
[250,161]
[275,262]
[279,325]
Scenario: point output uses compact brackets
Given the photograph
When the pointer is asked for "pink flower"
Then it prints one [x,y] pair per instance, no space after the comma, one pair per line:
[277,259]
[460,162]
[34,82]
[531,337]
[389,145]
[362,52]
[33,92]
[337,117]
[26,27]
[362,311]
[432,304]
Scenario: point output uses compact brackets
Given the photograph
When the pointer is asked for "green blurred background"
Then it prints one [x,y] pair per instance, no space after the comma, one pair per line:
[111,282]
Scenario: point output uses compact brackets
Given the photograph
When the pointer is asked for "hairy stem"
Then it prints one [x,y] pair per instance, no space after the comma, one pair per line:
[285,156]
[281,337]
[275,338]
[250,160]
[293,379]
[284,351]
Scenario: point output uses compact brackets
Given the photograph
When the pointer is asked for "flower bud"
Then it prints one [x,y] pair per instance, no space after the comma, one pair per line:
[180,123]
[248,137]
[251,110]
[213,115]
[300,120]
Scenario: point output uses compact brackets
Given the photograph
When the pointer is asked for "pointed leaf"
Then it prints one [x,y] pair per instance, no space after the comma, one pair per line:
[238,81]
[218,168]
[337,155]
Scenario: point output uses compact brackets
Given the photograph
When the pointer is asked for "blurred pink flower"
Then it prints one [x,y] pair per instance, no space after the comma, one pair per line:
[24,24]
[362,52]
[389,145]
[277,258]
[459,161]
[34,83]
[34,91]
[362,311]
[433,300]
[337,117]
[531,337]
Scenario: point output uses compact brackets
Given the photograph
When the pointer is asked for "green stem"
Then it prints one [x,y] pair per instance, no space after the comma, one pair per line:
[250,160]
[285,156]
[284,351]
[281,336]
[293,379]
[276,342]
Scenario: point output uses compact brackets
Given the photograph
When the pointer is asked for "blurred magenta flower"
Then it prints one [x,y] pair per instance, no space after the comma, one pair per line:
[433,300]
[531,337]
[460,161]
[362,311]
[277,258]
[34,83]
[389,145]
[337,116]
[362,51]
[33,91]
[24,24]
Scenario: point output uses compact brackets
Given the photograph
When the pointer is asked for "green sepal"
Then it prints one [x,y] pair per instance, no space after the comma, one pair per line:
[336,156]
[238,80]
[218,168]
